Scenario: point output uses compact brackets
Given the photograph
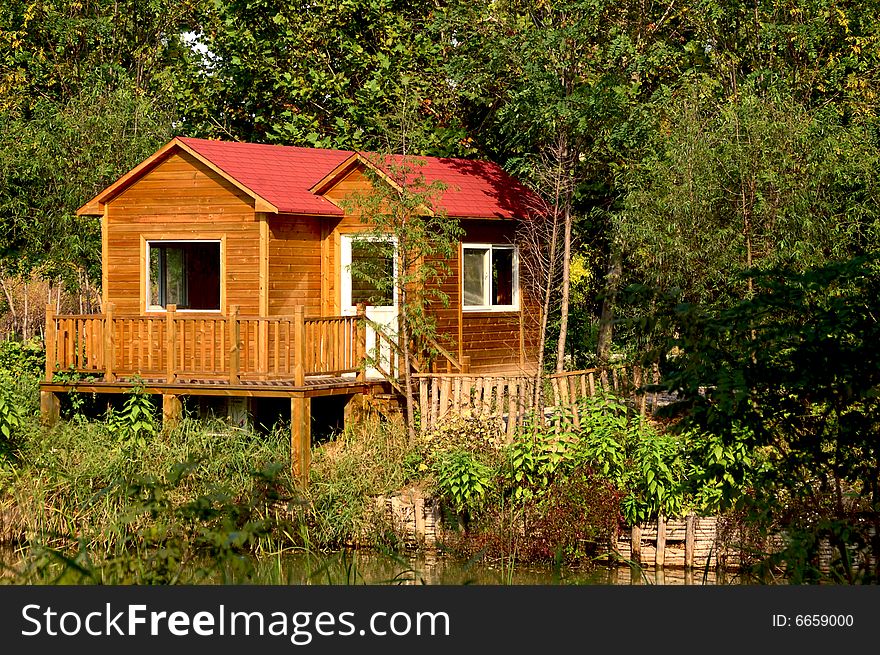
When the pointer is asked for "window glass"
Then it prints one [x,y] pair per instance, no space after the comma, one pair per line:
[186,274]
[474,276]
[502,276]
[372,273]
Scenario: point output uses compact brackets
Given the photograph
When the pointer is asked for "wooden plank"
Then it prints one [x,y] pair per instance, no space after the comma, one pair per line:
[435,403]
[445,395]
[51,331]
[234,325]
[511,389]
[689,541]
[109,343]
[50,408]
[424,414]
[660,557]
[150,344]
[299,345]
[171,411]
[170,343]
[498,406]
[636,544]
[192,346]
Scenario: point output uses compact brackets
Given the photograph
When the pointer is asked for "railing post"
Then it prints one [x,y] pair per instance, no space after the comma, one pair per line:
[361,341]
[109,343]
[49,342]
[234,345]
[299,346]
[466,364]
[170,344]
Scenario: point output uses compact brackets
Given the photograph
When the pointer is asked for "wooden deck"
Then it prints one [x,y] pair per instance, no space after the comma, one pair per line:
[177,354]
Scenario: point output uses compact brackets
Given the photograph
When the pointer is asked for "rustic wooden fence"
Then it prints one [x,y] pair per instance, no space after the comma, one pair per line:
[689,542]
[509,400]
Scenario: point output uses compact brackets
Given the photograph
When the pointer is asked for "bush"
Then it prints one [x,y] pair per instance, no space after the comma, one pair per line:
[22,358]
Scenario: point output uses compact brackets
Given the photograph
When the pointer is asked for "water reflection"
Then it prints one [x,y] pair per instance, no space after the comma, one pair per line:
[359,567]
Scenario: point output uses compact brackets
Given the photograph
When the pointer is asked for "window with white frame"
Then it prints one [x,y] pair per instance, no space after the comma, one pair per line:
[183,273]
[489,277]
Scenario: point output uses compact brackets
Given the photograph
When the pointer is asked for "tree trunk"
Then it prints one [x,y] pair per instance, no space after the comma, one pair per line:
[565,283]
[545,312]
[403,340]
[606,320]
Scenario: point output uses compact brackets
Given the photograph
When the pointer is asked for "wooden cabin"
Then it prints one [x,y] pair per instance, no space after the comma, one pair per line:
[226,271]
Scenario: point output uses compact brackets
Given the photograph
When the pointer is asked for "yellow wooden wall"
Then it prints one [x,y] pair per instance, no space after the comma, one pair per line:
[295,264]
[181,199]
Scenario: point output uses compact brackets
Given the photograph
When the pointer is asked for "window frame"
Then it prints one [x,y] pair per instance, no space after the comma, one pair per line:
[159,309]
[487,277]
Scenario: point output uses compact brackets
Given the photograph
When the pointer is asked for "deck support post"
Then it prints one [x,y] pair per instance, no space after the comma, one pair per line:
[109,343]
[170,344]
[300,438]
[50,342]
[299,346]
[234,345]
[50,408]
[466,364]
[172,408]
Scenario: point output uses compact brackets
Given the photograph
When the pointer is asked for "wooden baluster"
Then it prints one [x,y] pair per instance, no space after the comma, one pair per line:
[109,344]
[170,344]
[276,325]
[234,345]
[149,344]
[361,341]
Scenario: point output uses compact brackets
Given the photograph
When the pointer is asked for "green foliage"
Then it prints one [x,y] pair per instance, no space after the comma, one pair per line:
[164,540]
[791,374]
[19,358]
[135,423]
[326,74]
[756,181]
[463,480]
[10,417]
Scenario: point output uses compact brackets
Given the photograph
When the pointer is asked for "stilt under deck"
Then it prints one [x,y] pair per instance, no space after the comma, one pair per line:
[176,354]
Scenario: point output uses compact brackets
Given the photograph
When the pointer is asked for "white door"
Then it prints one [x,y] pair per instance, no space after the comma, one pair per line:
[366,259]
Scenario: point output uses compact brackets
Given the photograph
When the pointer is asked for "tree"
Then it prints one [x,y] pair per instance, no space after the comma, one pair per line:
[755,181]
[319,74]
[402,206]
[83,97]
[795,371]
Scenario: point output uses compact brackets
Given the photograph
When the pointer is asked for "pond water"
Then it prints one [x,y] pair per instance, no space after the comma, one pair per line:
[358,567]
[353,567]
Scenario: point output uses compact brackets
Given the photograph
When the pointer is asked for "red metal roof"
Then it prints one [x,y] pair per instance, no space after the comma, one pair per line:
[283,176]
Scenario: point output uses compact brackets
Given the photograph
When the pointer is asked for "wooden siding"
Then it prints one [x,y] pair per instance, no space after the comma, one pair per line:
[181,199]
[492,340]
[295,264]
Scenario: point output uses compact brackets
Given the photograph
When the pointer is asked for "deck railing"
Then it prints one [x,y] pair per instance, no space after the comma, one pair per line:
[176,346]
